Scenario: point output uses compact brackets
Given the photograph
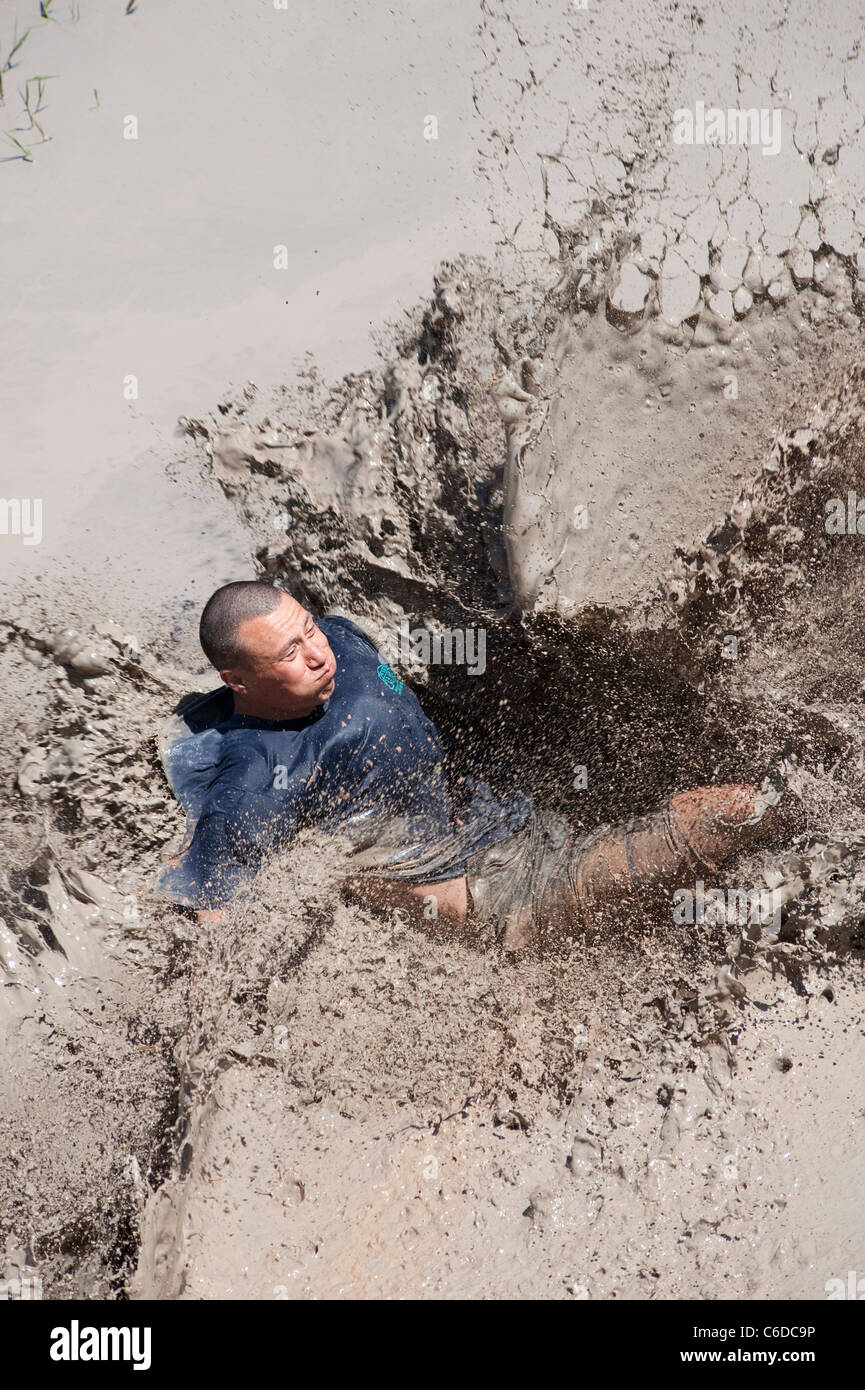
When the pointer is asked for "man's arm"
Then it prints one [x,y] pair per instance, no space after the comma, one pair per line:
[446,903]
[233,831]
[449,900]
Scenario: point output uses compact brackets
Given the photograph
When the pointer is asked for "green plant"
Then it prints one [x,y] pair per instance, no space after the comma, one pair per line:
[32,109]
[16,44]
[25,153]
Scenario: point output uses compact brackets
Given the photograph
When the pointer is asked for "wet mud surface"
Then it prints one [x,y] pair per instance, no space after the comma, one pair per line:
[314,1101]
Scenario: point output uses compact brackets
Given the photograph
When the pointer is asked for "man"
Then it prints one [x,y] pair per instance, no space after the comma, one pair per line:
[311,728]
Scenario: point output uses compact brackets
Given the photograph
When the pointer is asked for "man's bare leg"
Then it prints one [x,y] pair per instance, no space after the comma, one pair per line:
[639,863]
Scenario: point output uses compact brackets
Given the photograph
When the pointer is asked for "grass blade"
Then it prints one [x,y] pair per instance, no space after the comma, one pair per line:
[25,154]
[16,44]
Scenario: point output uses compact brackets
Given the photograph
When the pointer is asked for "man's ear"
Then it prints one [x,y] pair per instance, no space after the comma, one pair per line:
[233,681]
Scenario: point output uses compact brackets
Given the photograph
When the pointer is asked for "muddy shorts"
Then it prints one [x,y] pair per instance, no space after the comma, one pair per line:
[509,882]
[549,876]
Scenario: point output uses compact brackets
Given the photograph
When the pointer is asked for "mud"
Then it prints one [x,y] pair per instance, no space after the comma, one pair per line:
[611,445]
[374,1114]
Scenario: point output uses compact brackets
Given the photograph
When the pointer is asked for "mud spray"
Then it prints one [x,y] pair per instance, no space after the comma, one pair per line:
[617,461]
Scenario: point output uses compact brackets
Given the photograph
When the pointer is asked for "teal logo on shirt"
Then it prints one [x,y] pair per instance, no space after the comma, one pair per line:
[390,678]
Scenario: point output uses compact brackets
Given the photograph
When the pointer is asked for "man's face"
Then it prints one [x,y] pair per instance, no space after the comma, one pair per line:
[288,668]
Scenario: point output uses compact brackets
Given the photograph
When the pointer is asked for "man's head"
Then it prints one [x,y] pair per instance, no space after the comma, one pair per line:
[268,650]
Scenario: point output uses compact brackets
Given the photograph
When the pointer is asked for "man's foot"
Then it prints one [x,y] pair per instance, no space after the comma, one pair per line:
[718,822]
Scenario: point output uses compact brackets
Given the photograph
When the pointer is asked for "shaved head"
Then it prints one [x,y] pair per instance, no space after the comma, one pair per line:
[268,650]
[233,604]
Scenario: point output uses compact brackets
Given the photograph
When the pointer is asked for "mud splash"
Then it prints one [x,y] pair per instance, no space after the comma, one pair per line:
[312,1101]
[374,1113]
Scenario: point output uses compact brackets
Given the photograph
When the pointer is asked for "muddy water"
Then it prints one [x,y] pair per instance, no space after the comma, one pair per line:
[313,1101]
